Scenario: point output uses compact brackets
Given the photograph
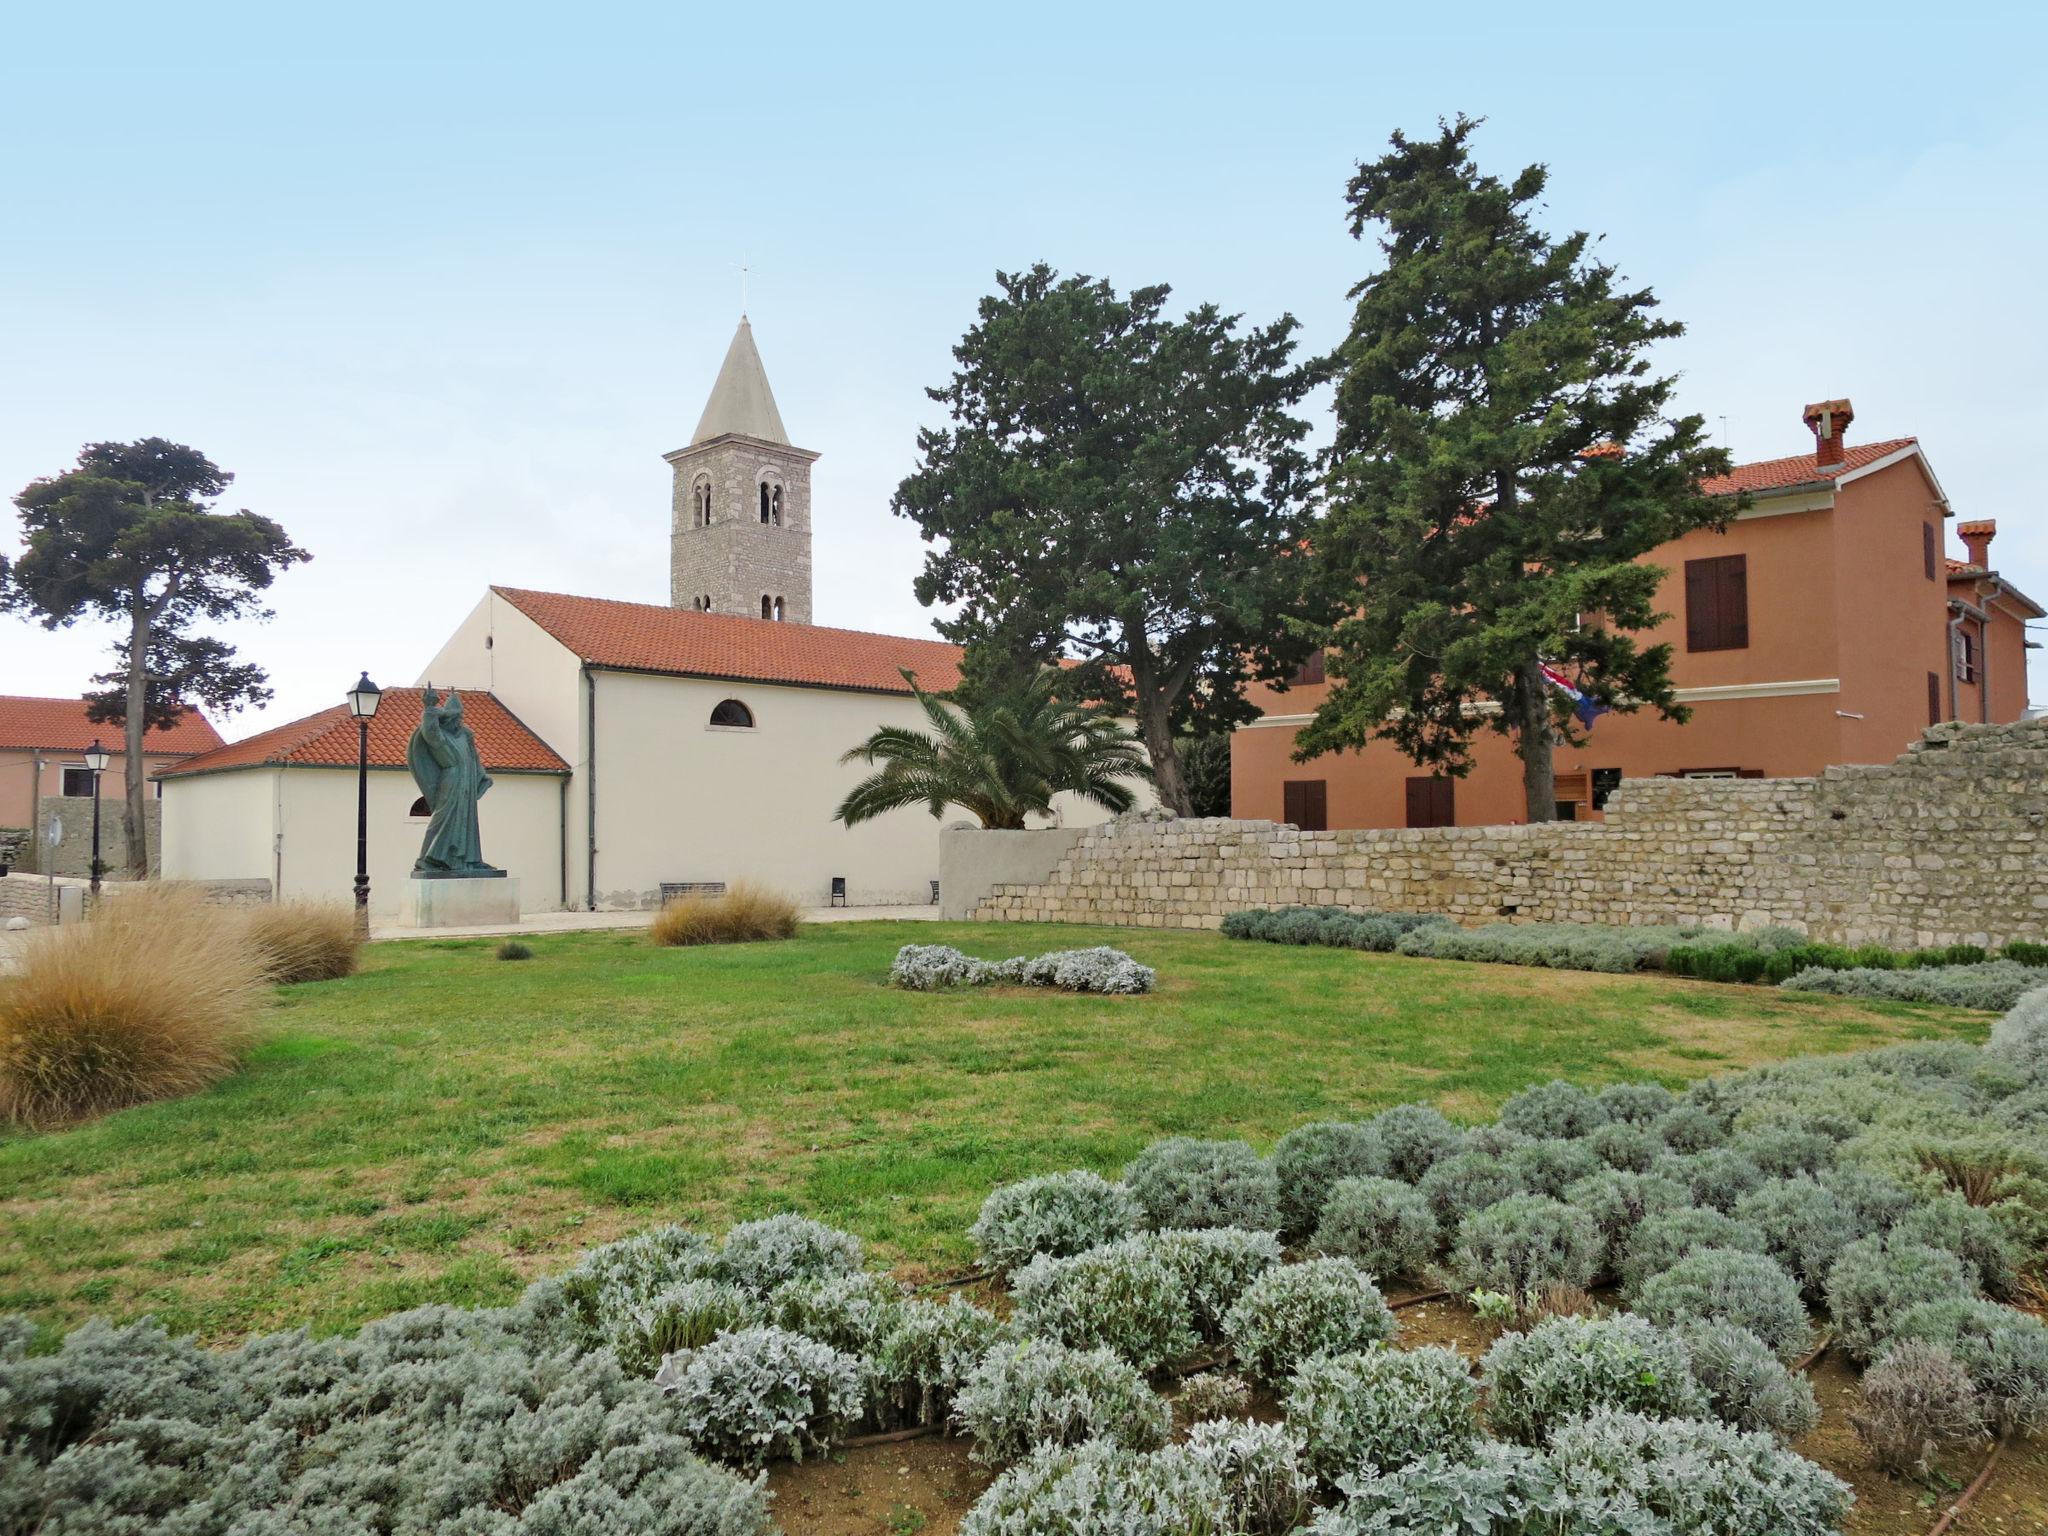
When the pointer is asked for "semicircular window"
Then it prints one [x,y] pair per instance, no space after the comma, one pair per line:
[420,808]
[731,712]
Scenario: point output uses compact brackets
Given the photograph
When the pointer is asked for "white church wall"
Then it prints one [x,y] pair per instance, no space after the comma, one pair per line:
[499,649]
[218,826]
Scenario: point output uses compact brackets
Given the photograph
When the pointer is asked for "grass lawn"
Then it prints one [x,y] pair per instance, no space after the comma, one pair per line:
[445,1125]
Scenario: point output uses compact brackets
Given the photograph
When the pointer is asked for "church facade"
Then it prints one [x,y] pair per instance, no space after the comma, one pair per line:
[639,750]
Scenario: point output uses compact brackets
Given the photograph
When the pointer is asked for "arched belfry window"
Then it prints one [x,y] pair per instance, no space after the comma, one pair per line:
[775,505]
[700,501]
[767,606]
[778,610]
[732,715]
[764,501]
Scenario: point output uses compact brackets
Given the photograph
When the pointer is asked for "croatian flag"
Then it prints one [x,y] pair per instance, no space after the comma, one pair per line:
[1583,704]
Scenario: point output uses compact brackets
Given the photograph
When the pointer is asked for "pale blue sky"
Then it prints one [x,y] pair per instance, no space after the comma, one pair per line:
[440,284]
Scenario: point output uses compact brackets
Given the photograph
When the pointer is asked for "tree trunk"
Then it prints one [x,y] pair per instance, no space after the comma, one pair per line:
[1539,777]
[1155,730]
[133,726]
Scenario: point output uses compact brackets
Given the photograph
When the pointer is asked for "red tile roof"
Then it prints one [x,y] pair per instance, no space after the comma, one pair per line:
[1768,475]
[649,637]
[59,725]
[328,739]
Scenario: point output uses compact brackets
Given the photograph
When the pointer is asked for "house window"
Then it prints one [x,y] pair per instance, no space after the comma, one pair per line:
[1432,802]
[1310,671]
[1965,646]
[1605,782]
[1306,803]
[732,715]
[421,809]
[77,784]
[1717,603]
[1933,699]
[1927,548]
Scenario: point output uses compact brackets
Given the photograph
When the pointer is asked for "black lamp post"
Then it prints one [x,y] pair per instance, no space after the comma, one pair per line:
[96,759]
[362,703]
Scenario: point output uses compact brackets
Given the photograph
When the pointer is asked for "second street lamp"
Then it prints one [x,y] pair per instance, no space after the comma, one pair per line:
[362,704]
[96,759]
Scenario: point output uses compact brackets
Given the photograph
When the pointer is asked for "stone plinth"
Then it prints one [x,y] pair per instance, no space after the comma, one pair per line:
[459,903]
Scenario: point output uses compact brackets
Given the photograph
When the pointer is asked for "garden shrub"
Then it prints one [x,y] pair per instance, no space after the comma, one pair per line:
[1626,1145]
[1523,1244]
[1555,1108]
[1546,1167]
[1805,1225]
[744,913]
[1783,1151]
[2005,1352]
[927,1355]
[1380,1409]
[1665,1238]
[689,1314]
[1717,1177]
[1383,1225]
[1416,1138]
[1212,1395]
[1056,1214]
[1560,946]
[1636,1103]
[762,1393]
[1746,1385]
[1492,1138]
[1466,1182]
[1694,1475]
[1100,969]
[1494,1489]
[1267,1490]
[1310,1158]
[2024,952]
[1915,1401]
[1728,1285]
[1993,986]
[850,1312]
[1182,1182]
[2020,1039]
[1877,1199]
[512,949]
[1100,1489]
[1120,1297]
[1565,1367]
[1970,1232]
[612,1286]
[303,940]
[762,1256]
[1212,1266]
[1619,1203]
[1688,1128]
[1298,1311]
[939,967]
[1335,927]
[1876,1281]
[1044,1394]
[154,996]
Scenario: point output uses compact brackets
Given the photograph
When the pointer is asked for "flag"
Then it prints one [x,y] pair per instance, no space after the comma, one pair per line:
[1584,705]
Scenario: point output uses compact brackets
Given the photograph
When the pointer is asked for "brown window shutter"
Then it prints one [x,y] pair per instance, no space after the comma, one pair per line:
[1734,602]
[1318,807]
[1291,800]
[1311,670]
[1432,802]
[1700,595]
[1717,603]
[1446,802]
[1419,806]
[1934,698]
[1749,773]
[1927,548]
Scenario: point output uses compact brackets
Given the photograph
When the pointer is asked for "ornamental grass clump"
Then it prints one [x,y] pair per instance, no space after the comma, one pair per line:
[1056,1214]
[1120,1297]
[1044,1394]
[1729,1285]
[1310,1158]
[744,913]
[1378,1409]
[155,996]
[1298,1311]
[1385,1226]
[304,940]
[1566,1367]
[1523,1245]
[762,1393]
[1182,1182]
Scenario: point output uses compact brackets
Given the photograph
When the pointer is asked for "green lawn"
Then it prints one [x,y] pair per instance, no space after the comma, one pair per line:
[445,1125]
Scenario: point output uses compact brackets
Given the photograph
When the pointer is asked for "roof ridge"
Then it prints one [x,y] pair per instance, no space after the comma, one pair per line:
[689,614]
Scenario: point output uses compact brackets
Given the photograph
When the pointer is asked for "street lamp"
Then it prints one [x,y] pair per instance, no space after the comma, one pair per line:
[362,703]
[96,759]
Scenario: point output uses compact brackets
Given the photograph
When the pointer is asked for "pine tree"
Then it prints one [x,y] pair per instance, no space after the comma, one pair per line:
[1503,460]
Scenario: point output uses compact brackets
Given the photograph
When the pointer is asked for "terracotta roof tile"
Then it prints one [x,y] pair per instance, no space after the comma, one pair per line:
[649,637]
[1799,469]
[328,739]
[59,725]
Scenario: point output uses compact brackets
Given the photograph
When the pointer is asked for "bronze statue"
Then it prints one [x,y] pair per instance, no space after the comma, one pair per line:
[443,758]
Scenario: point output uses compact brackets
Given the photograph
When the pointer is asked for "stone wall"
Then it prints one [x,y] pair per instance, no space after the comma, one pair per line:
[17,847]
[28,896]
[1944,846]
[74,853]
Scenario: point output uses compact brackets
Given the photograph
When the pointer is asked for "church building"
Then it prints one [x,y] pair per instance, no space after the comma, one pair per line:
[636,750]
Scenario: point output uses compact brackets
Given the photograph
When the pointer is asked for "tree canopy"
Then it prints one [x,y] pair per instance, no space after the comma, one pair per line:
[1503,458]
[1123,487]
[129,534]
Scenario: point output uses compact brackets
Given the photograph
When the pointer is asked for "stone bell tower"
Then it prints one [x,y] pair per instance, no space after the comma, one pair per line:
[740,529]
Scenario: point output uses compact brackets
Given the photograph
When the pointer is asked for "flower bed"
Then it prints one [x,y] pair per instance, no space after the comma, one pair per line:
[939,967]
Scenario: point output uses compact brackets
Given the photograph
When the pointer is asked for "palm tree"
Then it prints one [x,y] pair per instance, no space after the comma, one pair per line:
[1002,758]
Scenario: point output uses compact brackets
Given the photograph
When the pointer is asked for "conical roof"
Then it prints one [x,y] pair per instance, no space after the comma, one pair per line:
[741,400]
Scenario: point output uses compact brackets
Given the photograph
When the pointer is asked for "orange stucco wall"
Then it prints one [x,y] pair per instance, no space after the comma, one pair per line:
[1839,600]
[20,784]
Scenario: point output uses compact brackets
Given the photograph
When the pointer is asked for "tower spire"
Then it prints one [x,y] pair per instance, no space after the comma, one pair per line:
[741,400]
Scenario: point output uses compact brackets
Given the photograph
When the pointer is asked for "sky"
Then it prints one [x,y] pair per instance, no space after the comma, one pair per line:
[440,284]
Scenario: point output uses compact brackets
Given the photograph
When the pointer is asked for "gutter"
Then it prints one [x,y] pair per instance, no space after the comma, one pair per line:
[590,789]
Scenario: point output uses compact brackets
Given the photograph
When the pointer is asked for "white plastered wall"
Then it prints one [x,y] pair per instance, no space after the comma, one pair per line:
[220,826]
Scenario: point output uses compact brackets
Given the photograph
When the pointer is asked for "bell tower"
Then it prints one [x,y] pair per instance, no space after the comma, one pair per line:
[740,510]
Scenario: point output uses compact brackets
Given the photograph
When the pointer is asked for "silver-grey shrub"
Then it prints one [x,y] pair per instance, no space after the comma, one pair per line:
[1523,1244]
[2004,1350]
[1805,1226]
[1688,1127]
[1783,1151]
[1298,1311]
[1494,1489]
[1566,1367]
[1101,1489]
[1914,1401]
[763,1393]
[1384,1225]
[1668,1236]
[1212,1395]
[1416,1138]
[1555,1108]
[1728,1285]
[1546,1165]
[1626,1145]
[938,968]
[1995,985]
[926,1357]
[1267,1490]
[1118,1297]
[1044,1394]
[640,1330]
[2020,1039]
[1466,1182]
[1561,946]
[1747,1385]
[1380,1409]
[853,1313]
[1636,1103]
[1213,1267]
[1620,1202]
[1970,1232]
[1875,1282]
[1717,1177]
[1310,1158]
[1182,1182]
[1058,1214]
[762,1256]
[1098,969]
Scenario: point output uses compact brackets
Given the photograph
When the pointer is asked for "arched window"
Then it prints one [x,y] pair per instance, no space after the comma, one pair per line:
[421,809]
[778,610]
[775,506]
[733,715]
[767,606]
[700,499]
[764,501]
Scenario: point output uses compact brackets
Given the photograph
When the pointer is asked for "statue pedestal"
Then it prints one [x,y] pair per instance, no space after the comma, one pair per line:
[459,903]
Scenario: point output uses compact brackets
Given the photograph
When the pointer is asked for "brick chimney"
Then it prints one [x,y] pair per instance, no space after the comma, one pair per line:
[1829,420]
[1977,539]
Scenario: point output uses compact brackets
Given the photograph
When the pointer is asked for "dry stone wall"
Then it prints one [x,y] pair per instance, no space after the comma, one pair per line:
[1949,844]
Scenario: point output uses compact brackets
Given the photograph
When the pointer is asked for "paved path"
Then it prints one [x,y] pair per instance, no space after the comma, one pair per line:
[577,922]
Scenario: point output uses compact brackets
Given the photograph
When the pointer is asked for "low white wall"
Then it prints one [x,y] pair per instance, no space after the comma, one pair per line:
[973,861]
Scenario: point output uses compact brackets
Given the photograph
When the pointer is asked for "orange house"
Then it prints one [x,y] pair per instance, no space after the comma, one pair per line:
[1825,624]
[42,753]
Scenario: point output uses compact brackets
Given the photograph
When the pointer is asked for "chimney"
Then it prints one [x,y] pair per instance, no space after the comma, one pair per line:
[1830,420]
[1977,539]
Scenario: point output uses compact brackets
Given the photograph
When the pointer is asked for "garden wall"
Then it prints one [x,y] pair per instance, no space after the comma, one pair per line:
[29,896]
[1945,845]
[74,853]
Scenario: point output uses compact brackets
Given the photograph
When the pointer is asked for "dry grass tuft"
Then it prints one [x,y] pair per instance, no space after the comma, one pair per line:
[304,940]
[745,912]
[152,997]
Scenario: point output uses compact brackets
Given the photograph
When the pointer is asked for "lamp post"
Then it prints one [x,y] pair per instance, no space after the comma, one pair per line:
[362,703]
[96,759]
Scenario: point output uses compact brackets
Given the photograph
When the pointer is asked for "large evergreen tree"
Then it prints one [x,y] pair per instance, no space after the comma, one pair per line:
[129,535]
[1123,487]
[1503,458]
